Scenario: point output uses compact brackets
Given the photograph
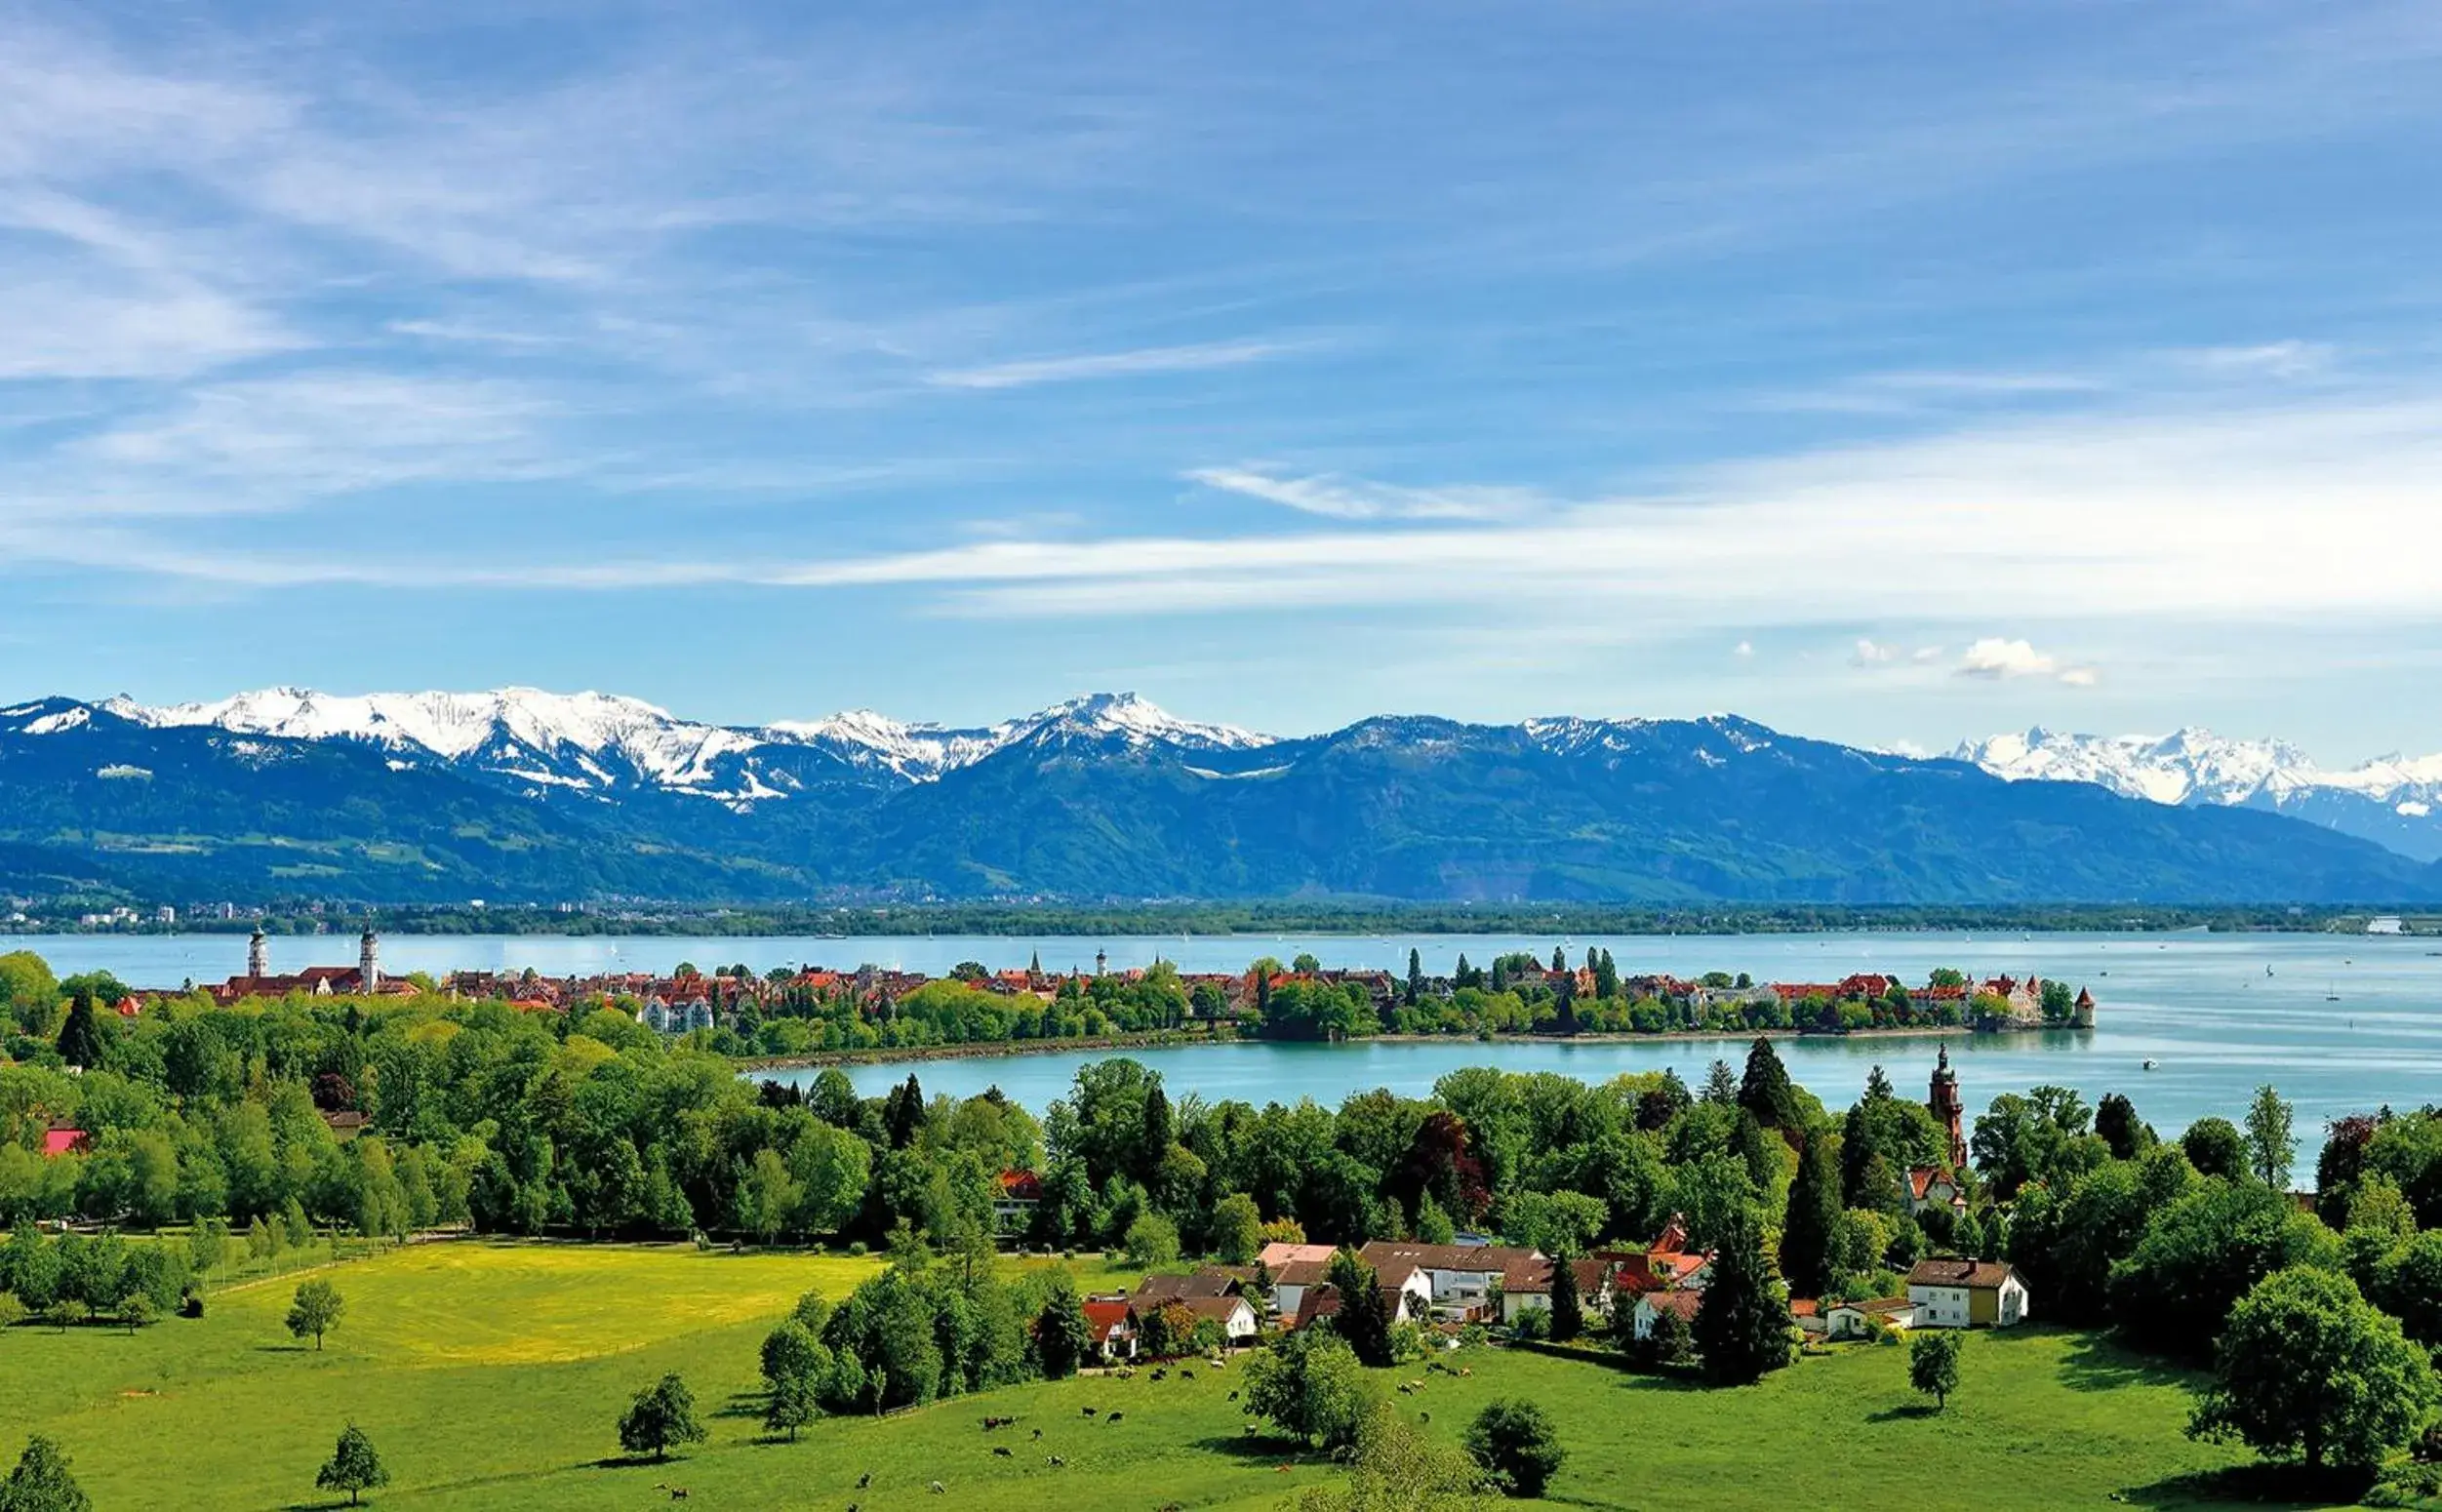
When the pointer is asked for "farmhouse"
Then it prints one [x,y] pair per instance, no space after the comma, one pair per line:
[1462,1277]
[1856,1319]
[1020,1193]
[1967,1294]
[1233,1313]
[1527,1286]
[1653,1304]
[1110,1327]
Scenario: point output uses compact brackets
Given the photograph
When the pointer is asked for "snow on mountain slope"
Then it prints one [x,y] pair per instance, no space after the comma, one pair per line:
[601,743]
[2391,800]
[924,752]
[553,739]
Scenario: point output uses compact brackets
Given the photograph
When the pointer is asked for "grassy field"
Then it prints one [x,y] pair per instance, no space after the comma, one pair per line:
[491,1375]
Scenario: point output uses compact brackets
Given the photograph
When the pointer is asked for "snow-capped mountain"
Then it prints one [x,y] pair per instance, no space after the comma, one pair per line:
[602,744]
[2393,800]
[924,752]
[536,796]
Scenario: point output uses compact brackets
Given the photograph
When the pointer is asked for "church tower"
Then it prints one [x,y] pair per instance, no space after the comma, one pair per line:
[1947,1108]
[369,963]
[258,955]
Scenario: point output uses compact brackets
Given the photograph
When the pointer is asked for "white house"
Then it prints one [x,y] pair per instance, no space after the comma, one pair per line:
[1527,1287]
[1855,1320]
[1234,1313]
[1460,1277]
[1967,1294]
[1653,1304]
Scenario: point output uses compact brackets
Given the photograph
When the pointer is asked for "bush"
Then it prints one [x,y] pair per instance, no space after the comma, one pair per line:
[1513,1441]
[1533,1325]
[857,1247]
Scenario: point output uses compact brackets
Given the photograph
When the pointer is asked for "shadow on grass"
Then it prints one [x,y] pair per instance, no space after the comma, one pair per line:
[632,1462]
[1259,1446]
[744,1403]
[2096,1362]
[1903,1413]
[286,1349]
[2273,1486]
[316,1506]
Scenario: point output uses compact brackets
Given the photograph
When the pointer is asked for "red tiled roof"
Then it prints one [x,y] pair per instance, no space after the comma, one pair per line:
[1021,1185]
[64,1141]
[1279,1252]
[1104,1318]
[1684,1304]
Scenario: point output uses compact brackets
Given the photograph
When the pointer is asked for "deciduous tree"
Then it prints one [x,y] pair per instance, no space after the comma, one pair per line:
[1933,1363]
[1514,1441]
[2309,1368]
[315,1310]
[354,1466]
[664,1414]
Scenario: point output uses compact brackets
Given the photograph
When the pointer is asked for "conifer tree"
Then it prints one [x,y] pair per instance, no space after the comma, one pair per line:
[1567,1308]
[1364,1317]
[1416,976]
[80,1038]
[1742,1325]
[1809,1232]
[1765,1091]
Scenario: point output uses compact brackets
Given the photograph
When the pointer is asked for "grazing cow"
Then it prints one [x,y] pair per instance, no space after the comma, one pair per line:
[1283,1470]
[1114,1418]
[1038,1435]
[1088,1412]
[1233,1396]
[1186,1374]
[1424,1417]
[1055,1463]
[1159,1373]
[1003,1452]
[864,1480]
[938,1489]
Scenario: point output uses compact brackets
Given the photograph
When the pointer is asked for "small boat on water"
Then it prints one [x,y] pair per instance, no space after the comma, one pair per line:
[2153,1065]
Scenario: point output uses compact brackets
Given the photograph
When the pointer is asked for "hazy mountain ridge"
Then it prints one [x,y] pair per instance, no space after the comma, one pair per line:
[522,795]
[2391,800]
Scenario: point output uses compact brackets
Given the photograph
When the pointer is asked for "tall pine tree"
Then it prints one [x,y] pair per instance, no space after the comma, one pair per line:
[1364,1317]
[80,1038]
[1567,1308]
[1742,1325]
[1809,1232]
[1416,976]
[1765,1091]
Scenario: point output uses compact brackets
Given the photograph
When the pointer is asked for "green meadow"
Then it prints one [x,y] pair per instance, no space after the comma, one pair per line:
[492,1375]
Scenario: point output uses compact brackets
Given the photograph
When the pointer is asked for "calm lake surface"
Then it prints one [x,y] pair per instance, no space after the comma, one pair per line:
[2340,1023]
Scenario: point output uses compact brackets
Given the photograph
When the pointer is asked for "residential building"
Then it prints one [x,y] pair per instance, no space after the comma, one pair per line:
[1653,1304]
[1856,1319]
[1955,1294]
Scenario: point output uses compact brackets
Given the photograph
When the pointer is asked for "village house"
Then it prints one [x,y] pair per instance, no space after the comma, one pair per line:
[1290,1283]
[1858,1320]
[1111,1327]
[1932,1187]
[1463,1277]
[1951,1293]
[1527,1285]
[61,1140]
[1653,1304]
[1233,1313]
[1019,1194]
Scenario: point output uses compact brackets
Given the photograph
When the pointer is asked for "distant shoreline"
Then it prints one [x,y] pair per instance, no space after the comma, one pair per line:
[1002,1049]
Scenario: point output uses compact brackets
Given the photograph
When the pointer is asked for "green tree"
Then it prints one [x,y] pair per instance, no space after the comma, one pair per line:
[1398,1468]
[791,1406]
[2204,1251]
[664,1414]
[1513,1440]
[1310,1386]
[1766,1091]
[1567,1308]
[1153,1240]
[80,1038]
[1933,1363]
[315,1310]
[2270,1147]
[2216,1148]
[41,1482]
[2308,1368]
[1364,1316]
[1809,1232]
[1742,1326]
[354,1466]
[1061,1335]
[1237,1229]
[790,1352]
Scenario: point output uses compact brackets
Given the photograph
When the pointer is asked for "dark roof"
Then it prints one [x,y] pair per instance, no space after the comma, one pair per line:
[1211,1281]
[1492,1258]
[1977,1275]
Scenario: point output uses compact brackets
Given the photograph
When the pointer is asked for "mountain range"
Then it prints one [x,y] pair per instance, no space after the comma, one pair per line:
[2394,801]
[524,795]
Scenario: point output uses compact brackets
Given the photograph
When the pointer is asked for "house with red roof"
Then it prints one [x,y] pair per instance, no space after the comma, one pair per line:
[59,1139]
[1110,1327]
[1020,1193]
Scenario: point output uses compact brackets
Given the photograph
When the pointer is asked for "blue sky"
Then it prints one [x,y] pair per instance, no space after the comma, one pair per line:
[1887,373]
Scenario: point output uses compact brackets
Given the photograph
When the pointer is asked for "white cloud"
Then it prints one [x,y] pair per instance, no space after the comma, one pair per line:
[1743,648]
[2080,676]
[2272,359]
[1356,499]
[1994,658]
[1872,653]
[1141,362]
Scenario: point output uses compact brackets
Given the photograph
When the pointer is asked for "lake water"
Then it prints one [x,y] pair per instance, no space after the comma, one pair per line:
[2340,1023]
